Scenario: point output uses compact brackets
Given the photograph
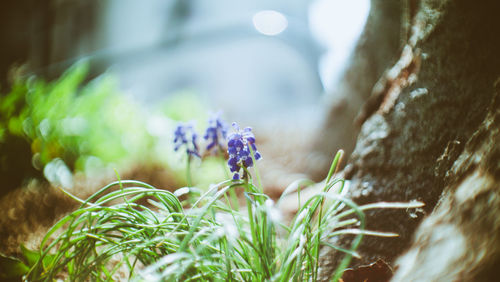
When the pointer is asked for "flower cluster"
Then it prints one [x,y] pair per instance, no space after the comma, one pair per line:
[185,136]
[240,146]
[216,133]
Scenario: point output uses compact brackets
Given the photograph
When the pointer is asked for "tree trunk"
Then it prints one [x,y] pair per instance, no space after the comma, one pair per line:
[430,133]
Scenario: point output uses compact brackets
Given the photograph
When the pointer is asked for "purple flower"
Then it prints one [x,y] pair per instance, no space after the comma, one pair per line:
[240,145]
[216,133]
[185,136]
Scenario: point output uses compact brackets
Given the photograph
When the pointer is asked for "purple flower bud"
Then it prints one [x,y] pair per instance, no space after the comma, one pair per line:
[185,136]
[216,133]
[240,145]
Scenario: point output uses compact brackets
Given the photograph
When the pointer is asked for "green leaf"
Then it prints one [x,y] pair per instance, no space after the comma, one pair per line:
[32,257]
[11,267]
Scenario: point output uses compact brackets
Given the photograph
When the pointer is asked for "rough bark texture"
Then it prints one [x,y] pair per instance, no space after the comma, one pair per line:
[428,105]
[460,240]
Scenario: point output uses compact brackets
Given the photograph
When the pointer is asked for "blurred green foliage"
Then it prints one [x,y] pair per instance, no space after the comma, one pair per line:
[75,124]
[84,124]
[185,105]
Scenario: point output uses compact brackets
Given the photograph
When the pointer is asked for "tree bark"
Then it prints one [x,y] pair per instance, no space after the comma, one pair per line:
[460,240]
[431,133]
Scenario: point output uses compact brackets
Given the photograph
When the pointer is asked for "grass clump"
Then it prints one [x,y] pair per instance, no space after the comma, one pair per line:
[154,236]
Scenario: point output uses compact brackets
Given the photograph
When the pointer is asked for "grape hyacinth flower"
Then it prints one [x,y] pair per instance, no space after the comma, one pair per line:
[185,136]
[240,145]
[216,133]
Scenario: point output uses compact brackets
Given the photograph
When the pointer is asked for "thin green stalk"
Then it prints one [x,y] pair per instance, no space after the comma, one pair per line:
[335,165]
[121,187]
[256,170]
[333,170]
[250,212]
[232,195]
[188,171]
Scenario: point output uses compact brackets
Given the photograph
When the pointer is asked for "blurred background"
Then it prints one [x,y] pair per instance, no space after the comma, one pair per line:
[268,64]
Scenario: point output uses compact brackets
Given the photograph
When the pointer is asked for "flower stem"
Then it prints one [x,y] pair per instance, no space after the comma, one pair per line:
[257,175]
[233,199]
[251,218]
[188,172]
